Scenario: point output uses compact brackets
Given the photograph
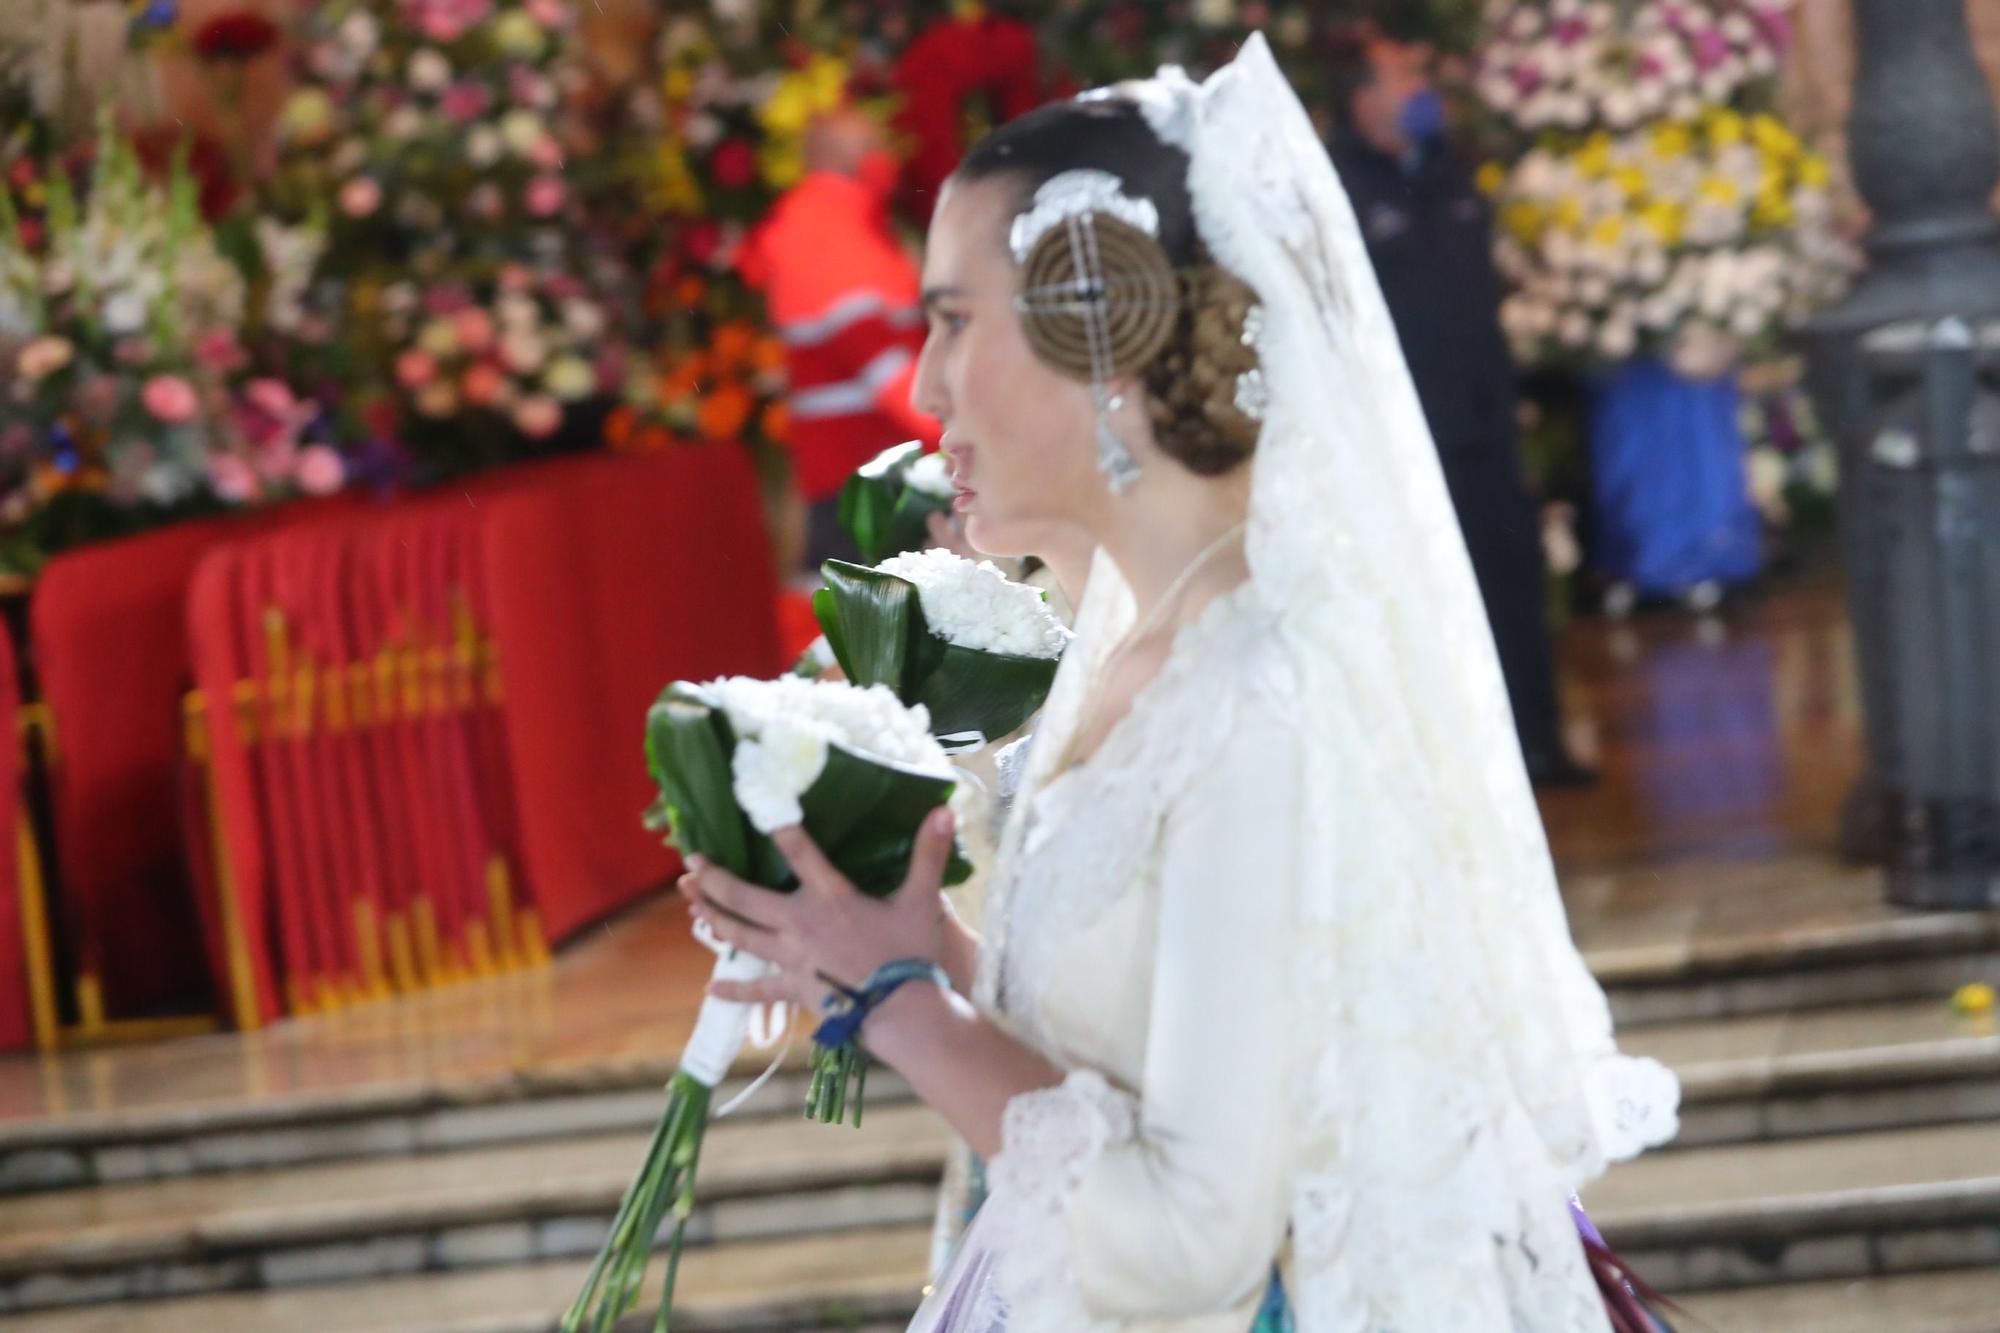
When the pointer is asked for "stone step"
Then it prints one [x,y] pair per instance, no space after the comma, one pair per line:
[1827,1071]
[870,1278]
[1752,1077]
[1712,941]
[1951,1301]
[174,1142]
[1840,1207]
[475,1207]
[1959,1301]
[1747,1214]
[866,1281]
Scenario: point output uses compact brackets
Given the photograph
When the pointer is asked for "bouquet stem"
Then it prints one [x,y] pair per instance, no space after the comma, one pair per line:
[665,1182]
[834,1070]
[666,1179]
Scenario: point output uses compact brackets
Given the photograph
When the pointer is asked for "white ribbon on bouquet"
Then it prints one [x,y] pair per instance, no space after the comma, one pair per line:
[724,1027]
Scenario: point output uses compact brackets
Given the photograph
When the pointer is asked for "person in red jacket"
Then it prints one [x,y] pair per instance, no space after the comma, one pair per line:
[842,293]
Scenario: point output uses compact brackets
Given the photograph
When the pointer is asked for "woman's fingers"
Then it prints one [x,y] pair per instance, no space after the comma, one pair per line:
[735,931]
[931,853]
[731,897]
[809,863]
[764,990]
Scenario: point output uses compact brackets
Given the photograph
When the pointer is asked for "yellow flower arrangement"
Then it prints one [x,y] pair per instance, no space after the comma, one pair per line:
[816,88]
[1614,241]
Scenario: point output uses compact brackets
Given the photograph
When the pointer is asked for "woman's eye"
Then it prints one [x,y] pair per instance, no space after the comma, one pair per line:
[950,321]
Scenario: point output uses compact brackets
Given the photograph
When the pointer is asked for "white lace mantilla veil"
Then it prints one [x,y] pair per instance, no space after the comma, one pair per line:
[1459,1075]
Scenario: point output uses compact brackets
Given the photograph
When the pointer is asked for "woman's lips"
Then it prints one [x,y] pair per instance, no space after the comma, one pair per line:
[961,469]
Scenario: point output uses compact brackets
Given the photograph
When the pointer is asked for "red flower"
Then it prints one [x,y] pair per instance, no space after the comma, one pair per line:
[241,34]
[734,164]
[701,242]
[157,148]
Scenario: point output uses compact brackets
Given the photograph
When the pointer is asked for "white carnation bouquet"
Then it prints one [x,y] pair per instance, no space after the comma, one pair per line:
[886,505]
[976,651]
[736,759]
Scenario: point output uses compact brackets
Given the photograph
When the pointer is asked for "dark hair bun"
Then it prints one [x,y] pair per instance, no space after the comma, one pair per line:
[1191,385]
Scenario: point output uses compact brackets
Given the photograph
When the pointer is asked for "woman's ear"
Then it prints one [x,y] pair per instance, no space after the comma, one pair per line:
[1127,390]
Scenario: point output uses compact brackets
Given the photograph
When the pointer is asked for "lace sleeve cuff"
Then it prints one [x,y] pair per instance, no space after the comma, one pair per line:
[1050,1140]
[1634,1102]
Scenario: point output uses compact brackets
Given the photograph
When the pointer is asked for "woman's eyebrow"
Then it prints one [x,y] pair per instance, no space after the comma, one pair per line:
[932,295]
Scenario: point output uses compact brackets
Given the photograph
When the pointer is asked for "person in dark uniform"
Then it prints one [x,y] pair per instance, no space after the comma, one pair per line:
[1429,234]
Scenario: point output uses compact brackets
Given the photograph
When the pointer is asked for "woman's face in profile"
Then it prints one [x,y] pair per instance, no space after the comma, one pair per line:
[1018,434]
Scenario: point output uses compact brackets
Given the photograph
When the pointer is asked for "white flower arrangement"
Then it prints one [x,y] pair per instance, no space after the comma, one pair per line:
[784,726]
[974,605]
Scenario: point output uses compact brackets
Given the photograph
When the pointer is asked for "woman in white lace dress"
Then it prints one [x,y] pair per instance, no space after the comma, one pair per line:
[1274,980]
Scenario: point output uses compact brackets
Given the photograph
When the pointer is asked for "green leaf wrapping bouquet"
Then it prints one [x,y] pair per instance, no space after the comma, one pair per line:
[976,650]
[885,507]
[736,759]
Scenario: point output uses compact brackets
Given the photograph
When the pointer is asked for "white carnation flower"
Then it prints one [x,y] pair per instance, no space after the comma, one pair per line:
[976,606]
[429,71]
[359,33]
[1766,470]
[583,319]
[777,767]
[703,131]
[784,726]
[931,475]
[125,312]
[483,146]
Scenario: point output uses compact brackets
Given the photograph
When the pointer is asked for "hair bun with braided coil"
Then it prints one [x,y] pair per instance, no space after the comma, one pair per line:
[1134,297]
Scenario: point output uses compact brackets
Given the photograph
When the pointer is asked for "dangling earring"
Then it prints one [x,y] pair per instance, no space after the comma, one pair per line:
[1114,457]
[1094,320]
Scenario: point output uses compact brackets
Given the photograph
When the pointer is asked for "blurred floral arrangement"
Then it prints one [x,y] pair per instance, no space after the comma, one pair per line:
[437,253]
[1655,205]
[123,367]
[716,135]
[726,390]
[423,230]
[1589,63]
[1693,239]
[1794,466]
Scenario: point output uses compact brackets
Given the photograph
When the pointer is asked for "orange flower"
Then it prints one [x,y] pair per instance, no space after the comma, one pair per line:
[683,380]
[725,412]
[654,440]
[689,291]
[778,423]
[768,355]
[618,427]
[733,344]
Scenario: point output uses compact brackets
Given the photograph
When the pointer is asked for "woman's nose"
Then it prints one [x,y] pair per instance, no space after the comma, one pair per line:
[927,393]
